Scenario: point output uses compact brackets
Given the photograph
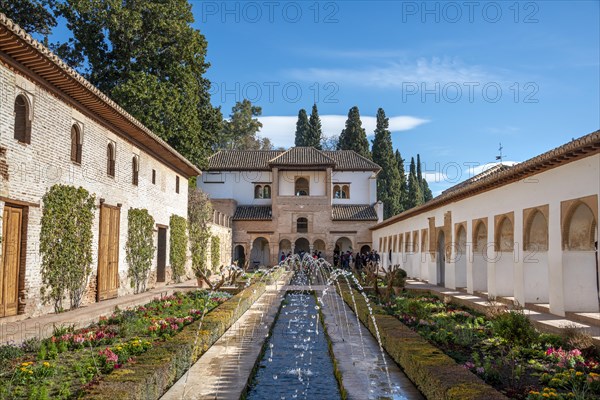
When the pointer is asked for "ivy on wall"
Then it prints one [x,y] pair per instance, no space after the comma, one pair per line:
[139,248]
[178,246]
[66,244]
[215,252]
[199,215]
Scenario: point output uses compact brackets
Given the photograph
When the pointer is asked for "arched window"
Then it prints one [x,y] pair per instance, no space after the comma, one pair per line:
[22,121]
[302,225]
[267,192]
[337,193]
[580,229]
[75,144]
[135,170]
[301,187]
[110,160]
[345,192]
[258,192]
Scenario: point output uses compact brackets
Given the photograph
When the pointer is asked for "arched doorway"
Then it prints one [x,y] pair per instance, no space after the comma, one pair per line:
[365,249]
[441,259]
[319,246]
[302,245]
[285,246]
[460,263]
[260,252]
[580,276]
[480,245]
[239,255]
[343,244]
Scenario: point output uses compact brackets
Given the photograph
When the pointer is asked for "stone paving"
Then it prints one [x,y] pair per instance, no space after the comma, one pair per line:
[223,371]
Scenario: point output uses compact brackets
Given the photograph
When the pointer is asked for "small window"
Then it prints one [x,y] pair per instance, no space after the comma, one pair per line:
[135,170]
[22,122]
[258,192]
[154,177]
[346,192]
[75,144]
[110,160]
[176,184]
[301,187]
[337,193]
[341,192]
[267,192]
[302,225]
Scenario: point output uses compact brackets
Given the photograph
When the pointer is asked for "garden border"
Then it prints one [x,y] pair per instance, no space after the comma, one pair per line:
[435,374]
[160,367]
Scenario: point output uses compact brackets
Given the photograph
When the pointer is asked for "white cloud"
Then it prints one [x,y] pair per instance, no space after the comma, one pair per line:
[395,74]
[281,129]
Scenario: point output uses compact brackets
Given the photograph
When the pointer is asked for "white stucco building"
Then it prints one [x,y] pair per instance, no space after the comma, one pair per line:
[527,232]
[299,199]
[55,127]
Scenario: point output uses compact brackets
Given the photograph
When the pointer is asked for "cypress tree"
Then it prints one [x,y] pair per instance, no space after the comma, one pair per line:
[415,197]
[427,195]
[315,133]
[388,180]
[403,199]
[425,190]
[354,137]
[302,129]
[420,180]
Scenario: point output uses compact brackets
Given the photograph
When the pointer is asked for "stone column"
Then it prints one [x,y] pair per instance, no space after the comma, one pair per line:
[328,182]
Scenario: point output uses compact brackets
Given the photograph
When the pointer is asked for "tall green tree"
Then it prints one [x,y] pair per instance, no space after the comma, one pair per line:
[388,180]
[403,200]
[315,133]
[353,136]
[425,191]
[415,196]
[240,132]
[35,16]
[302,129]
[148,58]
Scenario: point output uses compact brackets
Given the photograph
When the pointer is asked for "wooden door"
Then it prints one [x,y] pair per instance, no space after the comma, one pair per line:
[11,260]
[161,256]
[108,252]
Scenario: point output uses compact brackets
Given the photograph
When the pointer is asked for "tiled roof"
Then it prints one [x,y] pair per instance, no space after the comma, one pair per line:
[576,149]
[242,160]
[488,172]
[252,213]
[19,50]
[302,156]
[353,212]
[351,160]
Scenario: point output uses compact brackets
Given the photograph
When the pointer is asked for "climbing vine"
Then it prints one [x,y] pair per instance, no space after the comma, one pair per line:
[178,246]
[139,249]
[215,252]
[199,215]
[66,244]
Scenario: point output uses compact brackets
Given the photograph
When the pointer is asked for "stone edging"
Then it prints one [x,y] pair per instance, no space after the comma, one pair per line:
[436,375]
[159,368]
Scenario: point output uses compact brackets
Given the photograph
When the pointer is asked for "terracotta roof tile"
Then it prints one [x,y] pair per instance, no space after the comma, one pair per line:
[252,213]
[303,157]
[353,212]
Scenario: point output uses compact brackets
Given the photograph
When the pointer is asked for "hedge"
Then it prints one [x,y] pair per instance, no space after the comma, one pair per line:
[436,375]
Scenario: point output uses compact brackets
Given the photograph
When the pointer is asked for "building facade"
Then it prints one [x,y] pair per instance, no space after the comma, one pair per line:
[528,232]
[56,128]
[302,199]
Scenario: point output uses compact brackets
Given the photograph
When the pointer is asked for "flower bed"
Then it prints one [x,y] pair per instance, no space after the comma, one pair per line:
[69,362]
[504,349]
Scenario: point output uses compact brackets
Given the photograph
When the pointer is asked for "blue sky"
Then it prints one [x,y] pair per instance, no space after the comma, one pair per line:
[437,68]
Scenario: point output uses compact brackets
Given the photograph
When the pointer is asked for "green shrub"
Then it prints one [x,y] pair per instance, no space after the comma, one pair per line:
[515,327]
[178,246]
[66,244]
[139,248]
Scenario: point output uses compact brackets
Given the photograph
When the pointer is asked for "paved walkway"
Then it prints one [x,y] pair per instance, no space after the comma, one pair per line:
[538,313]
[224,370]
[359,357]
[43,326]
